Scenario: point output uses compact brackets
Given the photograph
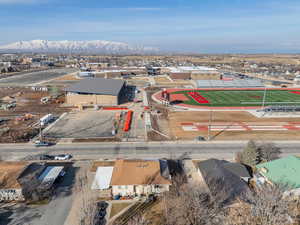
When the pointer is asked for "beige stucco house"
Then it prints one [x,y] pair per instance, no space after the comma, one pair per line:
[140,177]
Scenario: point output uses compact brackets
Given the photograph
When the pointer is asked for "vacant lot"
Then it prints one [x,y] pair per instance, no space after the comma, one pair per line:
[161,80]
[85,124]
[68,77]
[177,118]
[20,122]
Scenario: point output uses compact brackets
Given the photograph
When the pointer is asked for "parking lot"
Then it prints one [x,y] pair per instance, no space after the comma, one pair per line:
[32,78]
[85,124]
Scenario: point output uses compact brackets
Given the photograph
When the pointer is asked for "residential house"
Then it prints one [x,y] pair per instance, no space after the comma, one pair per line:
[230,178]
[21,181]
[140,177]
[10,188]
[283,171]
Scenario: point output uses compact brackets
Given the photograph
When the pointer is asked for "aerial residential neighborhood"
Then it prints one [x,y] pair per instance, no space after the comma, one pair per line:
[141,147]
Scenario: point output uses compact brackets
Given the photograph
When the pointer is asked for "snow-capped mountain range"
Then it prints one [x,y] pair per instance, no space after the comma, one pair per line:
[97,46]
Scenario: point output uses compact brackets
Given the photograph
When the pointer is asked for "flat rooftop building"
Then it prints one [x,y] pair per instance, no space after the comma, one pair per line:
[95,91]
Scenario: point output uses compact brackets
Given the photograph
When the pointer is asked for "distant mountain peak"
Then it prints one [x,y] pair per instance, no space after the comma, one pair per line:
[65,46]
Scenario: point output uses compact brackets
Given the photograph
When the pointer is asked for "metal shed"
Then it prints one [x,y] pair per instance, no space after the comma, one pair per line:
[102,178]
[49,175]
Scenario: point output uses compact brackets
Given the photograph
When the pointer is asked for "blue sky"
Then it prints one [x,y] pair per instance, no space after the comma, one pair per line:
[198,26]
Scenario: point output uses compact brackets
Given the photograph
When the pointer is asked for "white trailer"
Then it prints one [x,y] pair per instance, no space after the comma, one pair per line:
[46,119]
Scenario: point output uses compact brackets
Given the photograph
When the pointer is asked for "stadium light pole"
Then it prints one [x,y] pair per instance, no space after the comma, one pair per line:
[264,98]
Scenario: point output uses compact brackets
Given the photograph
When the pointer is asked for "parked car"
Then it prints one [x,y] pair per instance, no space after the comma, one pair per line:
[63,157]
[200,138]
[42,144]
[46,157]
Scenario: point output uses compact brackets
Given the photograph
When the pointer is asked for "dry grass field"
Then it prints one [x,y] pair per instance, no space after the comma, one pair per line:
[68,77]
[176,118]
[162,80]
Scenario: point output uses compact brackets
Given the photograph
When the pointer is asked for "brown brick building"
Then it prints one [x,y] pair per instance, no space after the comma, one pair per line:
[95,91]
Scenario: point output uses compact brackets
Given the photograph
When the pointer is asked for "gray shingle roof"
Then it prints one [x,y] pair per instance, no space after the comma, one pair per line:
[221,175]
[99,86]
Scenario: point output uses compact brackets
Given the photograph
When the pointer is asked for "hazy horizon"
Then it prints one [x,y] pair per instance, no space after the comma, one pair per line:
[222,27]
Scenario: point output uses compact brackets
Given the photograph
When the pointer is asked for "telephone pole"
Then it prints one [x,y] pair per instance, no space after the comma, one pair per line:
[209,125]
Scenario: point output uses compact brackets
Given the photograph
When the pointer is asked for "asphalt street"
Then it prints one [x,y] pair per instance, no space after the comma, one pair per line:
[34,78]
[92,151]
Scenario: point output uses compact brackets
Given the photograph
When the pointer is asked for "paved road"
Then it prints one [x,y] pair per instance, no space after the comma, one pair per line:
[34,78]
[225,150]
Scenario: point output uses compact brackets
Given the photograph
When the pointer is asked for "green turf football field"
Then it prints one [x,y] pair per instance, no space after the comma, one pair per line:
[240,98]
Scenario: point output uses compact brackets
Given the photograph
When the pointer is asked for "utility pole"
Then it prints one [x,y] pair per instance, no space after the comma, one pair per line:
[209,125]
[41,135]
[264,98]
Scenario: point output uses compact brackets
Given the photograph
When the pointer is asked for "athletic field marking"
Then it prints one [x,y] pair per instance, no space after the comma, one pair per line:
[238,126]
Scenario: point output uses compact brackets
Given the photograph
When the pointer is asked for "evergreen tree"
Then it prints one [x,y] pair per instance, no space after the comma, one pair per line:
[250,155]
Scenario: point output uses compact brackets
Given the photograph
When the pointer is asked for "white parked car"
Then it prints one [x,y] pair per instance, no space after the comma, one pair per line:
[62,157]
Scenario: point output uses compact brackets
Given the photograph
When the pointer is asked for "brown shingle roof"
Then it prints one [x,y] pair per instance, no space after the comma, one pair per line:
[9,172]
[137,172]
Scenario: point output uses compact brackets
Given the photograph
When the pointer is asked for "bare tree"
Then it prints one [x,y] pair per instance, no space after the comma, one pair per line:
[186,205]
[138,220]
[88,204]
[250,155]
[268,152]
[267,206]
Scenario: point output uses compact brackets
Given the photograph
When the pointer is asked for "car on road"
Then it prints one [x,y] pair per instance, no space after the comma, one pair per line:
[46,157]
[62,157]
[42,144]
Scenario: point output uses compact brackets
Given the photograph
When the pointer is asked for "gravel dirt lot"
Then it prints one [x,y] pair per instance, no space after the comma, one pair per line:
[176,118]
[27,103]
[84,124]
